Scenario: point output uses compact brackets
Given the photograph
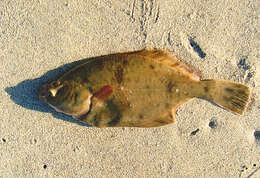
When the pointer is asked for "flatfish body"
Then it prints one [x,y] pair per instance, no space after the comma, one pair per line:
[136,89]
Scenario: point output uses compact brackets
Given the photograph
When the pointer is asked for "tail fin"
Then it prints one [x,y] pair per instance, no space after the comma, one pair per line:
[230,95]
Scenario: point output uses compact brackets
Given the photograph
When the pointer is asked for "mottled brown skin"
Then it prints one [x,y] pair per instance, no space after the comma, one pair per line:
[138,89]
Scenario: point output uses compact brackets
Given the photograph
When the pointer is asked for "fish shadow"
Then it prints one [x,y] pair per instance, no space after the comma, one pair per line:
[25,93]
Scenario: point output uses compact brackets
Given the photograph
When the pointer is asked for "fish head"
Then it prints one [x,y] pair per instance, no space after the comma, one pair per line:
[67,97]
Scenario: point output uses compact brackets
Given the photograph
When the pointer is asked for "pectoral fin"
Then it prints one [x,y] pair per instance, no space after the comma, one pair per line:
[104,93]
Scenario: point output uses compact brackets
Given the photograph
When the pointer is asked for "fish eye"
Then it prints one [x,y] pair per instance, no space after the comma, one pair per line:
[55,88]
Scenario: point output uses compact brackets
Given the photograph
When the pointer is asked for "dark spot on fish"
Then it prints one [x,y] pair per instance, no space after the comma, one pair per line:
[115,120]
[119,74]
[147,86]
[161,121]
[206,89]
[229,90]
[207,80]
[194,132]
[96,120]
[141,116]
[170,86]
[241,92]
[84,79]
[4,140]
[44,166]
[90,89]
[82,117]
[99,64]
[167,105]
[115,113]
[76,98]
[151,66]
[125,62]
[226,98]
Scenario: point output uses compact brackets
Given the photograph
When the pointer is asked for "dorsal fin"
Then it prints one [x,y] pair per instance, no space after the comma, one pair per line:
[162,56]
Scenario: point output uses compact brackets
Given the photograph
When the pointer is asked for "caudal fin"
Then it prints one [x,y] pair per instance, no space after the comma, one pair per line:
[230,95]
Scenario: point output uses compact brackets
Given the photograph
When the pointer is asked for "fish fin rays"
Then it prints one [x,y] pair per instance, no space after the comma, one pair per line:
[230,95]
[163,56]
[161,120]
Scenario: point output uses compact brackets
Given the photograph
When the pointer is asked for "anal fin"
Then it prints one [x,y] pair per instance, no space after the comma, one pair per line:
[161,120]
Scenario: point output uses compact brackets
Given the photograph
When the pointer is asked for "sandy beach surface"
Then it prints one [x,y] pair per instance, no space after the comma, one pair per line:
[41,39]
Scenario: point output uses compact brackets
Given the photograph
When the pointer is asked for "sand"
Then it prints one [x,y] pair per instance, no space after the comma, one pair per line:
[37,38]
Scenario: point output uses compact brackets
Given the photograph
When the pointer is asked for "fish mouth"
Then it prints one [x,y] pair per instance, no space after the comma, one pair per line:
[44,92]
[49,89]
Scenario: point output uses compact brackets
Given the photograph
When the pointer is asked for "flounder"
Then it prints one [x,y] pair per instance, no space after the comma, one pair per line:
[136,89]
